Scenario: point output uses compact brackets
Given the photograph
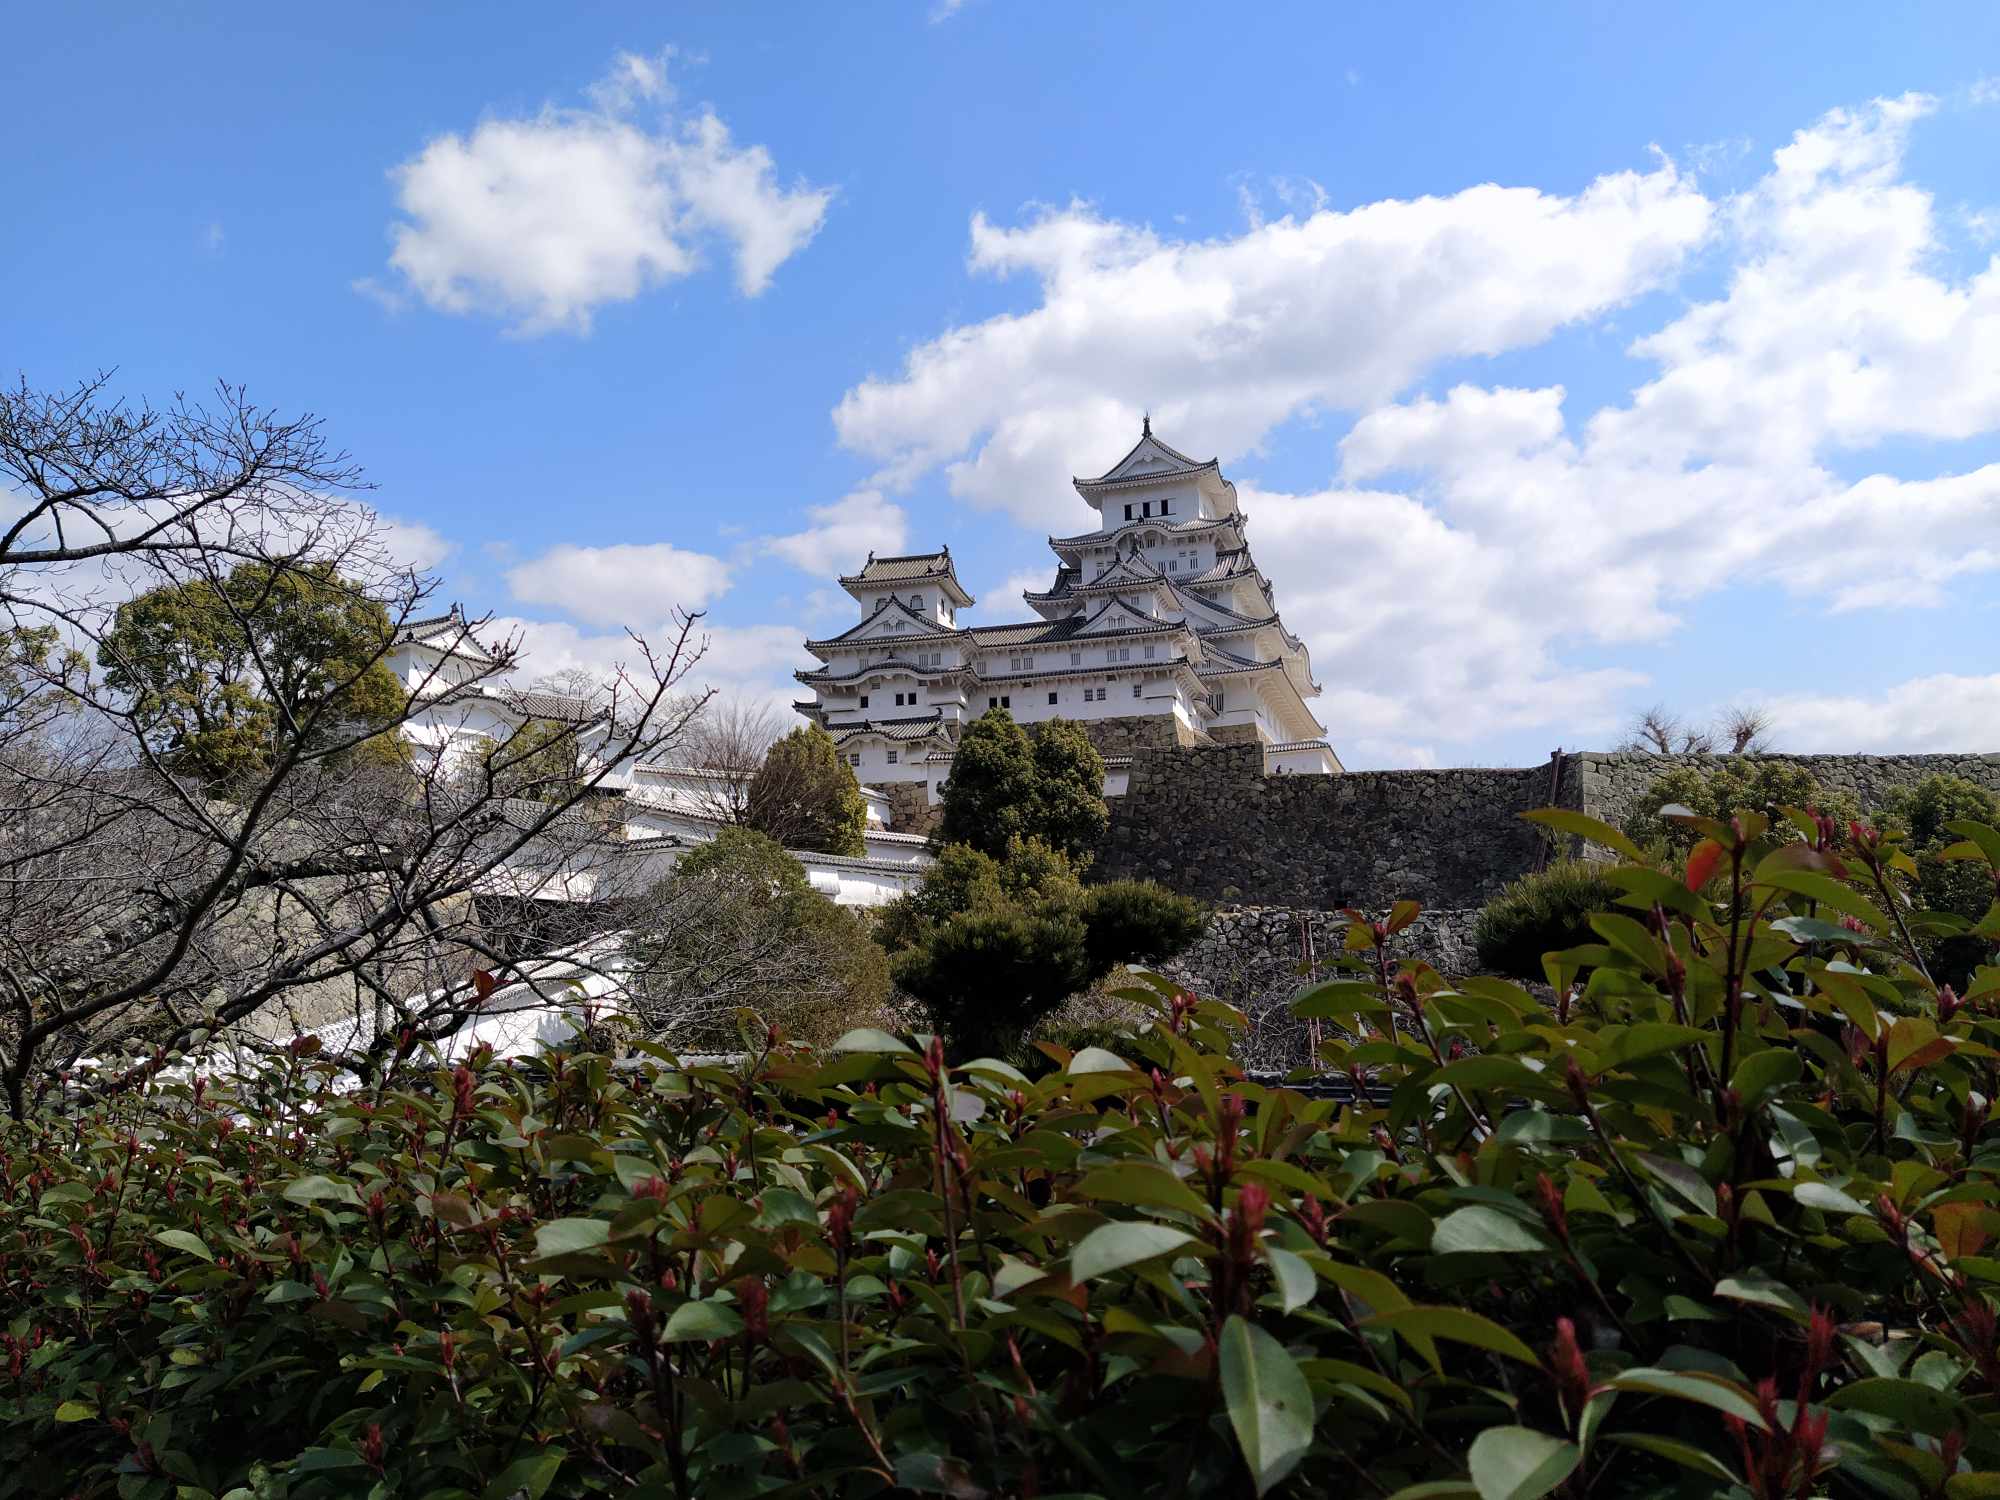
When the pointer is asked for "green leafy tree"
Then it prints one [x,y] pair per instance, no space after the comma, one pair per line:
[220,672]
[991,947]
[738,927]
[1008,784]
[1068,810]
[805,796]
[1950,888]
[543,760]
[1761,784]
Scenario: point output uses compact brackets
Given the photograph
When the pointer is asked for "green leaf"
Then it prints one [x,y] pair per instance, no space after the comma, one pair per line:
[1586,827]
[1458,1325]
[923,1472]
[1649,1039]
[1112,1247]
[1828,892]
[1826,1199]
[701,1321]
[1270,1405]
[567,1236]
[180,1239]
[1757,1288]
[1518,1463]
[1917,1406]
[75,1411]
[1685,1454]
[1296,1282]
[530,1476]
[868,1039]
[1766,1072]
[1098,1060]
[319,1190]
[1486,1230]
[1706,1390]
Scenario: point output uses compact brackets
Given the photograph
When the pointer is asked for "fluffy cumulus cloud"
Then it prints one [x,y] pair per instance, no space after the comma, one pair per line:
[843,534]
[625,584]
[1943,712]
[1479,553]
[1232,337]
[544,220]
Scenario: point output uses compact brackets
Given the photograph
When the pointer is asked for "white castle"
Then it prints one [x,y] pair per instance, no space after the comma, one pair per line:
[1159,630]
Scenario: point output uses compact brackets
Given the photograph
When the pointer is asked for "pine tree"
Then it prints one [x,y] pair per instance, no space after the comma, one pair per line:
[1009,783]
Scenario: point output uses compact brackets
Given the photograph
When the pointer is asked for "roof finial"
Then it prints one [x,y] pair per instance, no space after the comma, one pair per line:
[1146,425]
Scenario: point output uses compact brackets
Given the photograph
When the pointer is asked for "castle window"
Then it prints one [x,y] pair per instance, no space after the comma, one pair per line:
[916,601]
[1146,509]
[1005,701]
[1136,692]
[1076,658]
[1128,512]
[864,700]
[1149,653]
[892,757]
[1166,507]
[1052,700]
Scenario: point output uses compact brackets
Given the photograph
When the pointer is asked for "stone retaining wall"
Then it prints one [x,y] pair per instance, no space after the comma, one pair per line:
[1610,783]
[1124,736]
[1254,958]
[910,807]
[1210,823]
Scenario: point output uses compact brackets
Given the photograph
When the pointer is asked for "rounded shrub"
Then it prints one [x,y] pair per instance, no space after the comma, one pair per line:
[1540,912]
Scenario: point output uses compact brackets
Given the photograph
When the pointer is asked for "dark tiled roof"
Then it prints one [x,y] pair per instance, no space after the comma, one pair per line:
[1187,465]
[930,726]
[915,567]
[449,632]
[1173,524]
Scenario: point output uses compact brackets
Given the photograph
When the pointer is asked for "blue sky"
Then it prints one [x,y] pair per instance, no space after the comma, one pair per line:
[696,303]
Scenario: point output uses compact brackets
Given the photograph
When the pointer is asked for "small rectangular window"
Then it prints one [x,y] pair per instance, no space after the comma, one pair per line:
[1166,507]
[1052,700]
[864,700]
[1076,658]
[1128,512]
[1135,690]
[1149,653]
[1146,510]
[1005,701]
[892,757]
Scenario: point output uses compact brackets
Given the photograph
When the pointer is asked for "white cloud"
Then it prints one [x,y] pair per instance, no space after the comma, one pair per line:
[843,534]
[632,584]
[1228,338]
[1941,713]
[1487,558]
[1001,601]
[545,220]
[751,662]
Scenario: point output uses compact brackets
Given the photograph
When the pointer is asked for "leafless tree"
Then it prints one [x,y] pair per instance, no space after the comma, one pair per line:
[1747,727]
[727,744]
[141,913]
[1663,732]
[1746,730]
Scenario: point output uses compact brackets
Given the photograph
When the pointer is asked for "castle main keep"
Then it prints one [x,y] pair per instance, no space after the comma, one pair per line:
[1158,631]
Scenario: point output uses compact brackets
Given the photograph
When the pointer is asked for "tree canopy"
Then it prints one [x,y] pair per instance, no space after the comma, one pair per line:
[805,796]
[991,947]
[1007,784]
[221,671]
[737,926]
